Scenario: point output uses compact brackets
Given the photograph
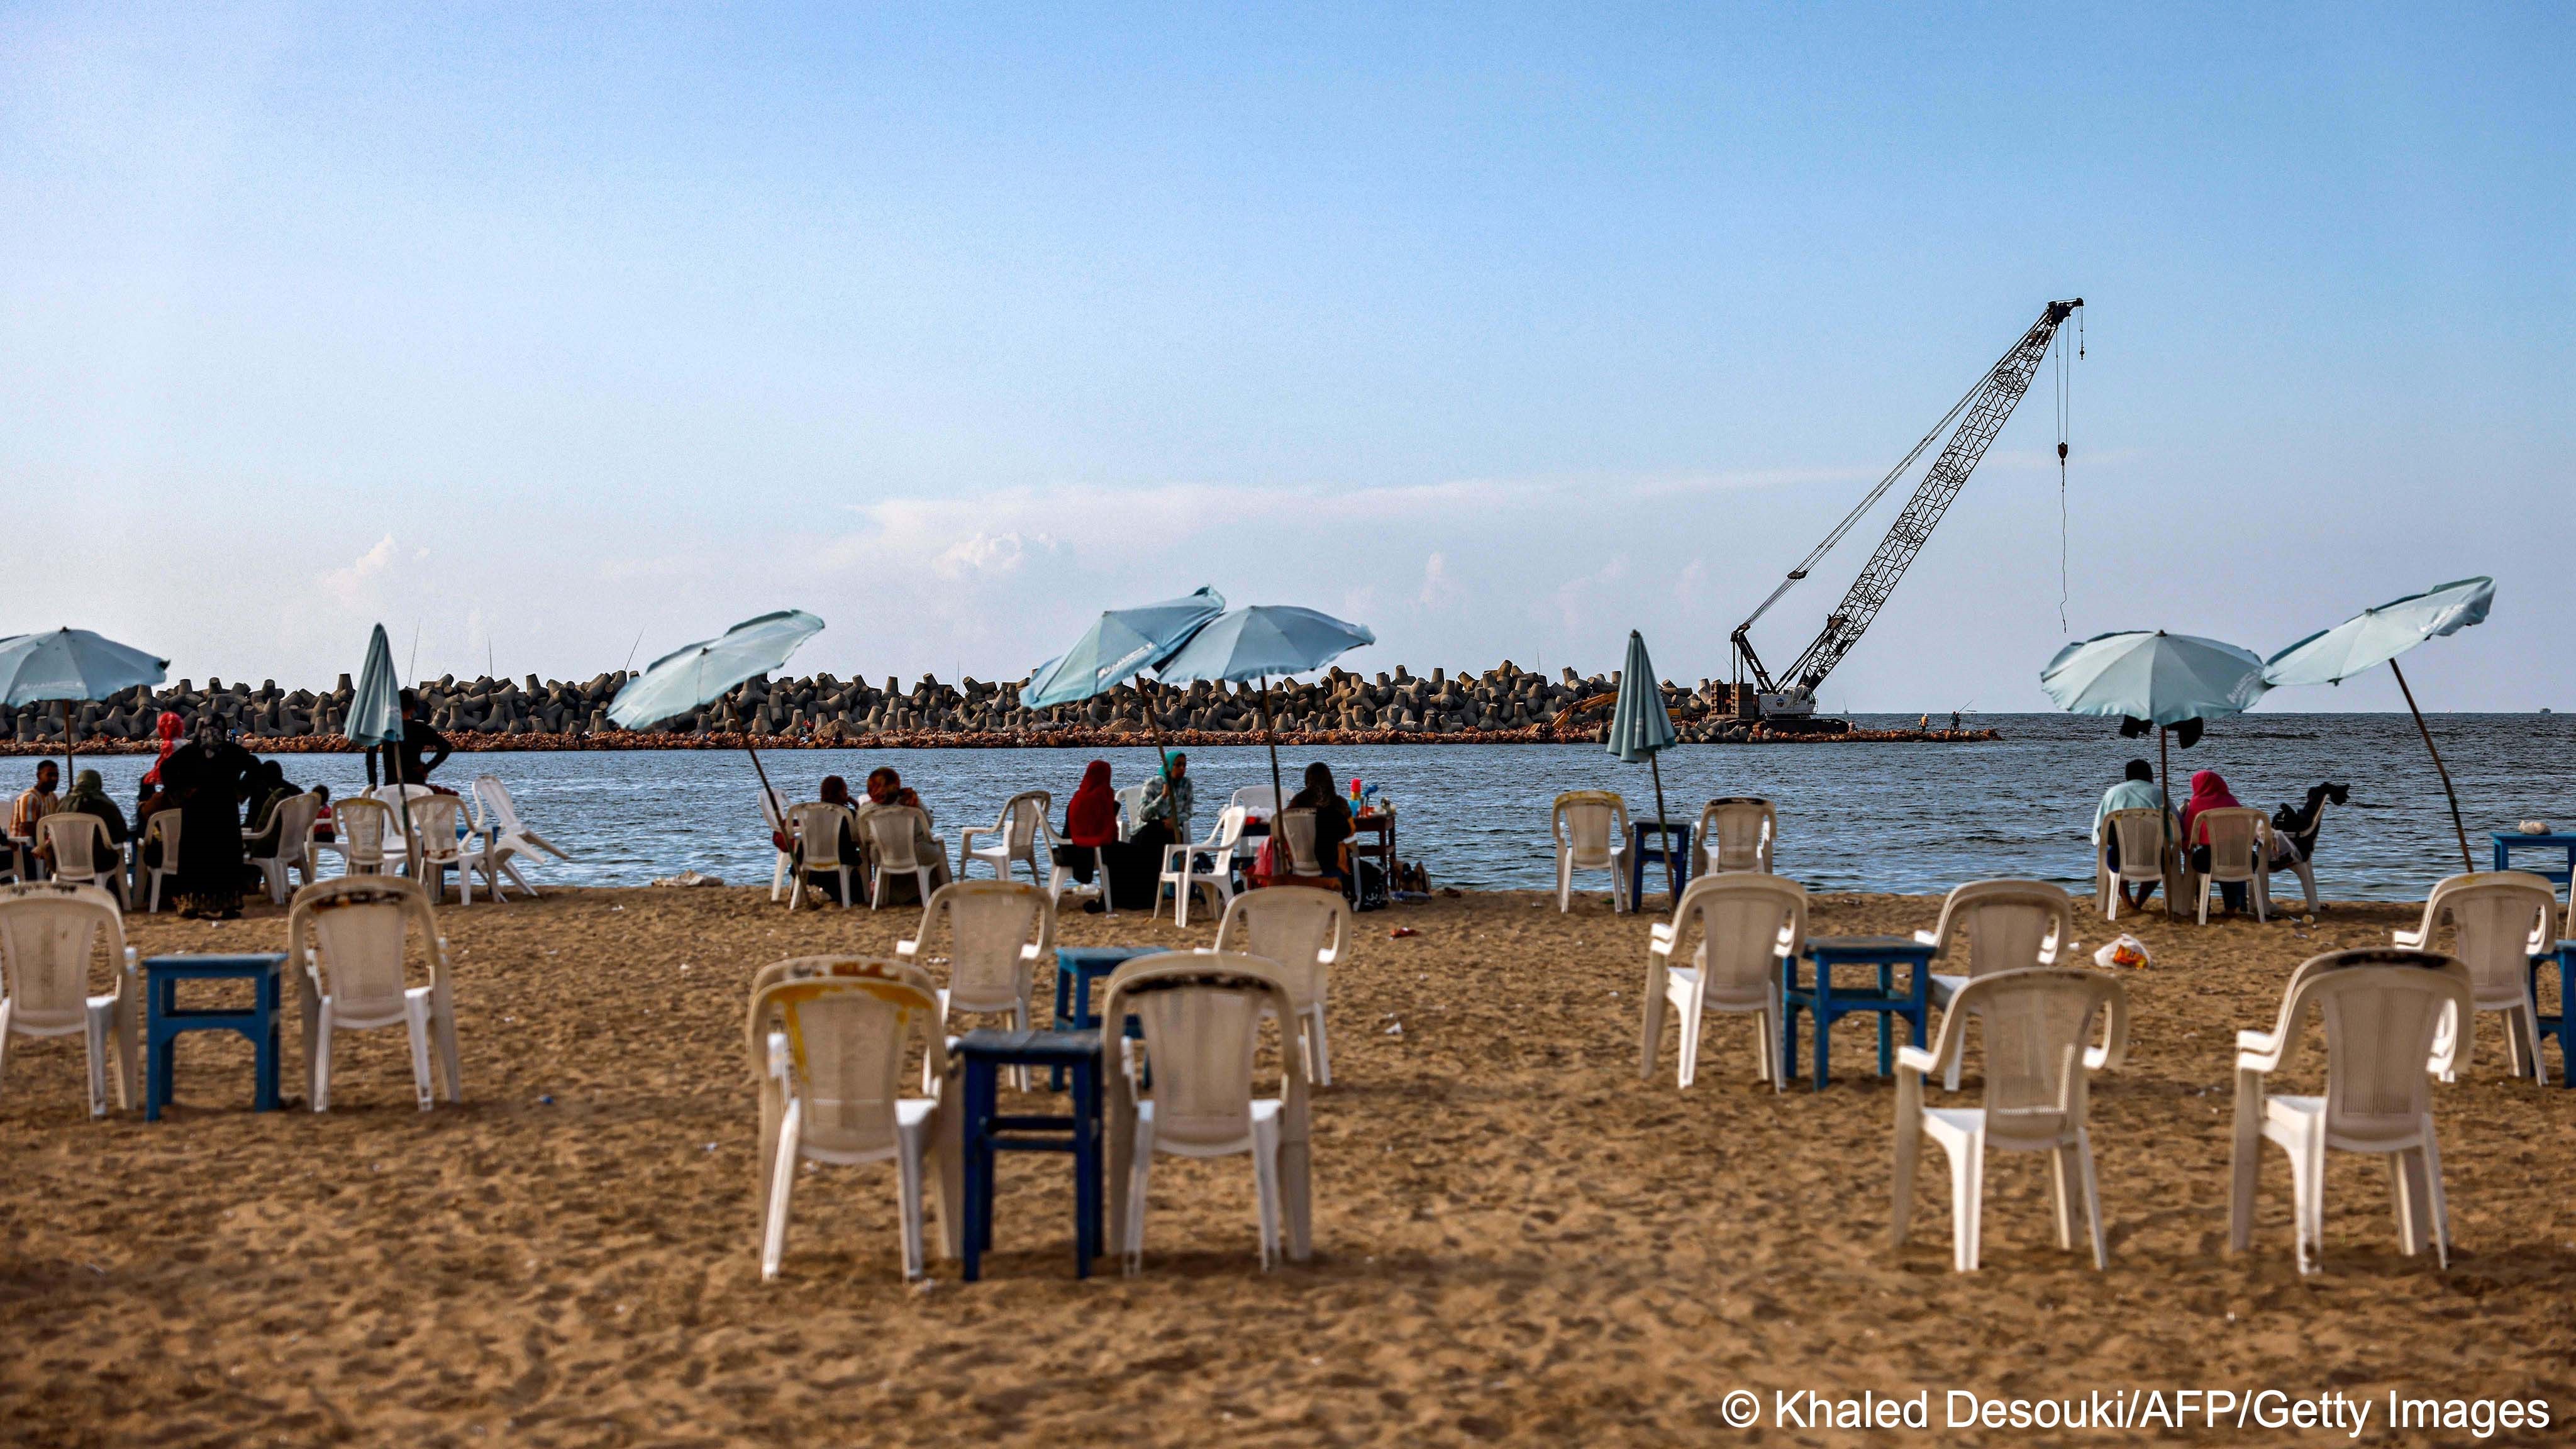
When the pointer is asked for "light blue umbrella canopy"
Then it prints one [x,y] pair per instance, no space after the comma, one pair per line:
[1118,645]
[1263,640]
[375,706]
[699,674]
[2158,677]
[70,664]
[1640,726]
[2375,636]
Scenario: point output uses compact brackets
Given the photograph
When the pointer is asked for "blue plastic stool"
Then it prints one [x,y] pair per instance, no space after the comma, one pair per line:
[164,1021]
[981,1056]
[1672,842]
[1828,1002]
[2563,1024]
[1077,970]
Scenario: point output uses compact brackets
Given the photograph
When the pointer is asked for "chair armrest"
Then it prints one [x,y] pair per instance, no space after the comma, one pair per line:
[1916,1060]
[2410,939]
[2096,1058]
[1926,938]
[1028,950]
[2257,1051]
[907,948]
[1661,931]
[778,1055]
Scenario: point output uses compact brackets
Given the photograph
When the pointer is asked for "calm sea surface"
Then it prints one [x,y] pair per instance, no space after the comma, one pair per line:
[1912,818]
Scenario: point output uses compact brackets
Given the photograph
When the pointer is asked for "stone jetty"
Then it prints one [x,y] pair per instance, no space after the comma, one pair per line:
[1504,705]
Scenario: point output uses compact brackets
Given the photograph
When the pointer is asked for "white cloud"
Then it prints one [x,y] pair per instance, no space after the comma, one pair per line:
[355,583]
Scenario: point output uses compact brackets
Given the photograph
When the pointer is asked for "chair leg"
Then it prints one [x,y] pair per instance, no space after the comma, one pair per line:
[1650,1037]
[321,1057]
[2430,1158]
[782,1187]
[907,1162]
[2061,1191]
[2307,1196]
[1564,882]
[2204,900]
[1265,1185]
[1692,1020]
[95,1021]
[1142,1161]
[1967,1201]
[1766,1047]
[1909,1149]
[2092,1200]
[1322,1045]
[416,1019]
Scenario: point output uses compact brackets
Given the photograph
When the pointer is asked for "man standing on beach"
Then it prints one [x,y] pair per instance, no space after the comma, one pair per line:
[414,757]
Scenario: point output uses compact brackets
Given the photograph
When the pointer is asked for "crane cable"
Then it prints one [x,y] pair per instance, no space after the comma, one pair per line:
[2065,398]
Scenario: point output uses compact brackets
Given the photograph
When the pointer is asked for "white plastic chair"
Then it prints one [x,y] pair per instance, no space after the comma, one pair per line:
[1259,802]
[2239,838]
[1297,837]
[1591,829]
[786,858]
[2011,925]
[1739,927]
[2383,1012]
[294,848]
[506,837]
[1131,811]
[826,1039]
[82,851]
[2035,1023]
[815,829]
[1736,833]
[435,821]
[2500,919]
[1180,874]
[1304,931]
[363,825]
[1202,1016]
[892,845]
[1017,831]
[162,829]
[1060,881]
[2145,851]
[348,937]
[47,932]
[998,932]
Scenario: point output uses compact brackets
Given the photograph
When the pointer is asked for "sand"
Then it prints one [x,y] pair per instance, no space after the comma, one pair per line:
[1517,1240]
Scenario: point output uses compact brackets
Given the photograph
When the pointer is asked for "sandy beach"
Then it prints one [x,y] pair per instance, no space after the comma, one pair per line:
[1517,1241]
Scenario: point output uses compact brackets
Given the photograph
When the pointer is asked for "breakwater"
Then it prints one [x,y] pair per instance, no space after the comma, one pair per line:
[1503,705]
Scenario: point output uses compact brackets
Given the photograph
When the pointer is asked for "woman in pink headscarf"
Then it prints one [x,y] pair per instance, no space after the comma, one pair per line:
[2209,792]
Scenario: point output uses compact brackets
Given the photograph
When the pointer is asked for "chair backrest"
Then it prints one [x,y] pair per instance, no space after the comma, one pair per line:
[845,1019]
[2038,1023]
[434,820]
[494,810]
[1745,922]
[295,819]
[998,931]
[48,932]
[1297,832]
[2499,920]
[1202,1018]
[1589,821]
[1229,829]
[769,812]
[75,841]
[817,827]
[1131,810]
[361,823]
[164,826]
[2233,834]
[1736,832]
[2011,925]
[2141,834]
[1023,816]
[1261,800]
[891,832]
[1302,929]
[349,932]
[2382,1008]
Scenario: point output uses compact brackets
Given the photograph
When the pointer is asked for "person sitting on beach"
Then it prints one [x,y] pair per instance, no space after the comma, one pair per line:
[1169,797]
[88,797]
[35,803]
[1090,822]
[266,790]
[833,791]
[2137,792]
[323,825]
[886,790]
[1332,819]
[2209,792]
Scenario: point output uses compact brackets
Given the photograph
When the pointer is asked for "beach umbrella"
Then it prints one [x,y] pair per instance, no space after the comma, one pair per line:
[695,675]
[2377,636]
[2155,678]
[1117,646]
[376,718]
[70,664]
[1641,728]
[1258,642]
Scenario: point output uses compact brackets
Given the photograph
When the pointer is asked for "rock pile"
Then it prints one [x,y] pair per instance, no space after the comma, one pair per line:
[1503,705]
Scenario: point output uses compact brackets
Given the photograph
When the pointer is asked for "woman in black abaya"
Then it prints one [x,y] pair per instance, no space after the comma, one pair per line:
[205,777]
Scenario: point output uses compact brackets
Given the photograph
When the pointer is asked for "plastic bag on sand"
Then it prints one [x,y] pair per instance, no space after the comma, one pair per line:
[2126,951]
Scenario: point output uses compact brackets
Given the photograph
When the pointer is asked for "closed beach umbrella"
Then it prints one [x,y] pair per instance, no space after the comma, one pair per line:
[1118,645]
[376,718]
[695,675]
[2377,636]
[70,664]
[1258,642]
[2158,678]
[1641,728]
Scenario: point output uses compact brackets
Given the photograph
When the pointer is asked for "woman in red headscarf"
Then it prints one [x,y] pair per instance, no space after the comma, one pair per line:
[2209,792]
[1090,825]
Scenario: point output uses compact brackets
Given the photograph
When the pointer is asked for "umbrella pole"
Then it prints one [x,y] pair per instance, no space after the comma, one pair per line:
[1270,735]
[775,802]
[2164,776]
[1672,888]
[2466,863]
[67,749]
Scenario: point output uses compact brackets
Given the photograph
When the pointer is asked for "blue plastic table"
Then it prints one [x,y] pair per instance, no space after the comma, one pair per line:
[2509,841]
[981,1056]
[1673,840]
[2561,1025]
[1077,969]
[165,1021]
[1827,1002]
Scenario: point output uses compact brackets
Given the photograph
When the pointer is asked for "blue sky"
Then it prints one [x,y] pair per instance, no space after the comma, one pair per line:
[531,331]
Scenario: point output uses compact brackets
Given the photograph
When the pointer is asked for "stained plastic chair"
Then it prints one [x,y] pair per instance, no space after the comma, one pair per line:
[1736,833]
[437,822]
[826,1039]
[362,826]
[786,856]
[2009,925]
[1297,838]
[161,831]
[997,933]
[1016,838]
[2239,838]
[815,828]
[1182,875]
[1201,1016]
[49,932]
[894,845]
[1304,931]
[1736,928]
[506,835]
[346,942]
[2146,852]
[293,850]
[1131,811]
[2036,1024]
[1591,830]
[2383,1011]
[2499,919]
[83,853]
[1060,882]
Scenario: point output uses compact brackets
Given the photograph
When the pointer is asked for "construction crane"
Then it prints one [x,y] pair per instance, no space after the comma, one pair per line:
[1986,407]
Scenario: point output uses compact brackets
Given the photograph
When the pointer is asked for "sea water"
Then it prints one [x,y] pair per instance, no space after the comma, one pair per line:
[1875,817]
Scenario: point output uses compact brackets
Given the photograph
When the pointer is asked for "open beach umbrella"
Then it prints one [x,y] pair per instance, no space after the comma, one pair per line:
[1641,728]
[1261,641]
[1118,645]
[2377,636]
[2157,679]
[70,664]
[376,718]
[698,674]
